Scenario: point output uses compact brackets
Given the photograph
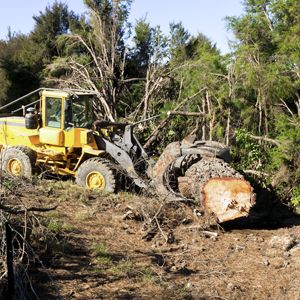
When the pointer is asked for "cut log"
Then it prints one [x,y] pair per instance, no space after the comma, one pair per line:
[228,198]
[220,189]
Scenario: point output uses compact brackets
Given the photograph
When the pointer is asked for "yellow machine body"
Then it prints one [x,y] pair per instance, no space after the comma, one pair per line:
[59,147]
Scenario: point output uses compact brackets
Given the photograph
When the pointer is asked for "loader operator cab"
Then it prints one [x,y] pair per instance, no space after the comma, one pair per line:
[64,115]
[78,112]
[70,112]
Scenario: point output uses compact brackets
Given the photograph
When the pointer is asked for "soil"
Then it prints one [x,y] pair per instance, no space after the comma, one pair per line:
[102,248]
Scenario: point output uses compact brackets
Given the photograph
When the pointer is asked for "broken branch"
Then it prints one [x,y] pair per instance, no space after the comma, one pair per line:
[265,139]
[165,122]
[185,113]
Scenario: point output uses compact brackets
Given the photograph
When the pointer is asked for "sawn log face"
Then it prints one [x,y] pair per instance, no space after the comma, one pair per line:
[220,189]
[228,198]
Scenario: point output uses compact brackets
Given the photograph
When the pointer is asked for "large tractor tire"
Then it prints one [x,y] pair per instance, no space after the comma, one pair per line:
[97,173]
[18,161]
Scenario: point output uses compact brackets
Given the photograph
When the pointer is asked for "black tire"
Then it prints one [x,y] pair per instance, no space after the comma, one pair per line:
[218,149]
[103,172]
[18,161]
[30,153]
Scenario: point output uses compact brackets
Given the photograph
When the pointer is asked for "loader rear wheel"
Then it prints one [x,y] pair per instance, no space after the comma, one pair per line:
[97,173]
[18,161]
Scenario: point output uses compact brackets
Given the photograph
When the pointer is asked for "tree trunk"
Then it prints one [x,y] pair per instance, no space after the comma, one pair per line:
[220,189]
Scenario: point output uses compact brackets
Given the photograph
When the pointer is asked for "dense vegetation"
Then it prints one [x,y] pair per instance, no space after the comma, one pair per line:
[250,98]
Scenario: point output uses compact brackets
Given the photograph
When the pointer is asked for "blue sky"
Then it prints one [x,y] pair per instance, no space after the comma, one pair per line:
[205,16]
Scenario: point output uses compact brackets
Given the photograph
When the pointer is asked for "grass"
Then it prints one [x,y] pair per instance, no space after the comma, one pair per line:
[58,247]
[55,223]
[101,255]
[123,268]
[81,215]
[66,227]
[148,276]
[126,268]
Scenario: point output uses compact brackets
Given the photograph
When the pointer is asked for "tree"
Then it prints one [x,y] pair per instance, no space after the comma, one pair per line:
[23,57]
[18,67]
[179,37]
[262,68]
[56,20]
[99,64]
[267,75]
[148,55]
[202,68]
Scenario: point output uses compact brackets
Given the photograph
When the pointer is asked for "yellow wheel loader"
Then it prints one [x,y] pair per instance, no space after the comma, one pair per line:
[59,133]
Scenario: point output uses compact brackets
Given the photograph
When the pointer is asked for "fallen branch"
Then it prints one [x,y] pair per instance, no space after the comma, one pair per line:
[15,211]
[185,113]
[161,231]
[165,122]
[257,173]
[265,139]
[156,132]
[210,234]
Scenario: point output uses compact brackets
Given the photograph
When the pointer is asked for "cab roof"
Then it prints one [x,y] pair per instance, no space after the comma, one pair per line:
[65,92]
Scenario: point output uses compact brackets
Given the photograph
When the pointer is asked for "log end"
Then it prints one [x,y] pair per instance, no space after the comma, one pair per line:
[228,198]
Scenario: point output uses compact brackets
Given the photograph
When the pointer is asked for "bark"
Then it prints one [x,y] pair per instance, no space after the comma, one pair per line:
[219,188]
[204,170]
[227,132]
[203,120]
[298,104]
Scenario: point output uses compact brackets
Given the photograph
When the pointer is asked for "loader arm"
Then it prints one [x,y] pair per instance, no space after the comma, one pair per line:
[124,148]
[122,158]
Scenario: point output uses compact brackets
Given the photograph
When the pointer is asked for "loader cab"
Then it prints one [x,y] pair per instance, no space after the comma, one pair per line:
[67,111]
[64,116]
[78,112]
[53,115]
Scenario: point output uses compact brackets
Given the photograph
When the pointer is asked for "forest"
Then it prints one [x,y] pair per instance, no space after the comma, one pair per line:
[248,99]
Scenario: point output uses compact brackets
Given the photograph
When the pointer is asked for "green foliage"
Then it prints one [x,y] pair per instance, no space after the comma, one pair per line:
[143,43]
[295,199]
[248,151]
[18,68]
[23,57]
[123,268]
[179,37]
[5,86]
[54,225]
[50,24]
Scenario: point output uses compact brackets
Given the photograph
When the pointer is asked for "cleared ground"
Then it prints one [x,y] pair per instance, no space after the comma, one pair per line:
[127,246]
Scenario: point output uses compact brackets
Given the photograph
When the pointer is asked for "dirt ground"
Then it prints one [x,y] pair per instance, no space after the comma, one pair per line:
[99,250]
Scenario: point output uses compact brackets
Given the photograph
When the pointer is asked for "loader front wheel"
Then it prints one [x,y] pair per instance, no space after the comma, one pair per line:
[97,173]
[17,162]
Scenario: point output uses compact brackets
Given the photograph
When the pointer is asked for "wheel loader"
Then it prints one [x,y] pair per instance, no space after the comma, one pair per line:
[59,133]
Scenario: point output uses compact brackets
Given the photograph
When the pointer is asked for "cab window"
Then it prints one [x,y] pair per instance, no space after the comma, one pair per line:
[78,112]
[53,112]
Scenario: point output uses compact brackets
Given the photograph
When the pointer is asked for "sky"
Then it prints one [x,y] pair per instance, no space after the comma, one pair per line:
[205,16]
